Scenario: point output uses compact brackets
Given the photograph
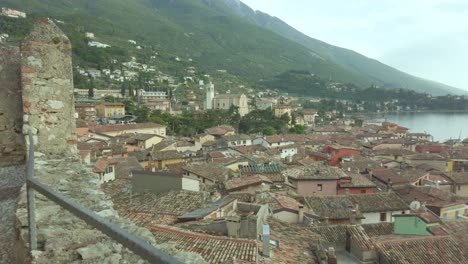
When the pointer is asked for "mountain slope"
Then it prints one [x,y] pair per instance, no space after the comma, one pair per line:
[216,35]
[373,70]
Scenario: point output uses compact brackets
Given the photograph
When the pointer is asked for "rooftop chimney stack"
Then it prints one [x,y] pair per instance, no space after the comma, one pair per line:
[301,214]
[266,240]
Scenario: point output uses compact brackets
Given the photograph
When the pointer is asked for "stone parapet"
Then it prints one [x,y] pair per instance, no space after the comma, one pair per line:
[47,89]
[64,238]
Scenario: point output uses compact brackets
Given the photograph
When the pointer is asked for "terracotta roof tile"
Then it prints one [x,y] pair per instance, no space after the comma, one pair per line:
[214,249]
[238,183]
[423,250]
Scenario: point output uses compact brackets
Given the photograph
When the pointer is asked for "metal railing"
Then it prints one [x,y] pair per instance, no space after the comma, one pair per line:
[140,247]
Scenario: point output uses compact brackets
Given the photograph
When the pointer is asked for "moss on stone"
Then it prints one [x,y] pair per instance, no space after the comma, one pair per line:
[56,40]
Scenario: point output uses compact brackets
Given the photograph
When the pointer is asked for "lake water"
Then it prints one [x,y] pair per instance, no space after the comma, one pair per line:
[442,126]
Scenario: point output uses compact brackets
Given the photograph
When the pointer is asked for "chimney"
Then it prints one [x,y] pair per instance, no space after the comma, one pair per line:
[347,191]
[266,240]
[389,185]
[331,256]
[352,218]
[423,207]
[301,214]
[326,220]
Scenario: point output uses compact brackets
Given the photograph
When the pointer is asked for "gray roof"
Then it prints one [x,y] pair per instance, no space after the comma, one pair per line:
[202,212]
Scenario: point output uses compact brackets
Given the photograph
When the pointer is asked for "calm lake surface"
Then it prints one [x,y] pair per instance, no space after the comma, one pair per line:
[442,126]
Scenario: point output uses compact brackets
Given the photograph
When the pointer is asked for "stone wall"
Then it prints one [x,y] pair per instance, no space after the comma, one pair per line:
[47,87]
[12,148]
[11,141]
[64,238]
[11,180]
[48,111]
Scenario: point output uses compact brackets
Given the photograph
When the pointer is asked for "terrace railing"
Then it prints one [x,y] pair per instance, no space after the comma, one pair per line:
[140,247]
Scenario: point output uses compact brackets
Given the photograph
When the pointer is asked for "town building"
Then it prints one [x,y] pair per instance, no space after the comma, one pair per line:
[148,96]
[281,110]
[162,182]
[315,179]
[163,105]
[105,168]
[225,101]
[106,110]
[86,112]
[12,13]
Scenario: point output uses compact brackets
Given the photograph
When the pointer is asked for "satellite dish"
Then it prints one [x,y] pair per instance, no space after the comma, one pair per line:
[415,205]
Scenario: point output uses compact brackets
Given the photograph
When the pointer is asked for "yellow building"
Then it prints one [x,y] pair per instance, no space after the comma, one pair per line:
[110,109]
[450,211]
[457,165]
[225,101]
[280,110]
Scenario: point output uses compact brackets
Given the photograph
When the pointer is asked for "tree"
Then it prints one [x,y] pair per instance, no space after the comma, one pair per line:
[91,88]
[90,92]
[268,131]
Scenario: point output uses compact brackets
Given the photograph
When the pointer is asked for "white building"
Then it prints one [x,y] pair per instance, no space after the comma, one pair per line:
[89,35]
[209,96]
[105,169]
[98,44]
[12,13]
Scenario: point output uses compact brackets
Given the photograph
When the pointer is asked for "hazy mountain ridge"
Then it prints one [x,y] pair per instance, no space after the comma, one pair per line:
[373,70]
[223,34]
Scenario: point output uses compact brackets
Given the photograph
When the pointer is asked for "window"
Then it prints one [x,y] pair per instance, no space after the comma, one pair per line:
[319,187]
[109,170]
[383,217]
[363,191]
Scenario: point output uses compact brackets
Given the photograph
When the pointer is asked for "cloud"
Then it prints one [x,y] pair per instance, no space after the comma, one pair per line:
[427,38]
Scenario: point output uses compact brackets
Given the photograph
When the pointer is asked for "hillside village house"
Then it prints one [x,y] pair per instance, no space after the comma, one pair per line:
[281,110]
[393,128]
[208,174]
[285,208]
[338,153]
[98,93]
[315,179]
[86,112]
[163,105]
[309,117]
[110,109]
[105,169]
[220,131]
[369,208]
[139,141]
[236,140]
[225,101]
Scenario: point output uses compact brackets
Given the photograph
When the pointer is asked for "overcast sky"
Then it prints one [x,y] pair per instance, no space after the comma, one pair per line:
[426,38]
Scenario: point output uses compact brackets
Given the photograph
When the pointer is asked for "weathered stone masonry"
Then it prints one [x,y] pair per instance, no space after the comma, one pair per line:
[47,110]
[47,83]
[11,141]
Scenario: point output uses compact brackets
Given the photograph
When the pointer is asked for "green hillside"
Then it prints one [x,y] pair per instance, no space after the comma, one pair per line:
[216,36]
[372,70]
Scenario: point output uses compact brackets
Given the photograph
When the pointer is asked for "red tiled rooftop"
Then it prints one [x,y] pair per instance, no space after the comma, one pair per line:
[238,183]
[214,249]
